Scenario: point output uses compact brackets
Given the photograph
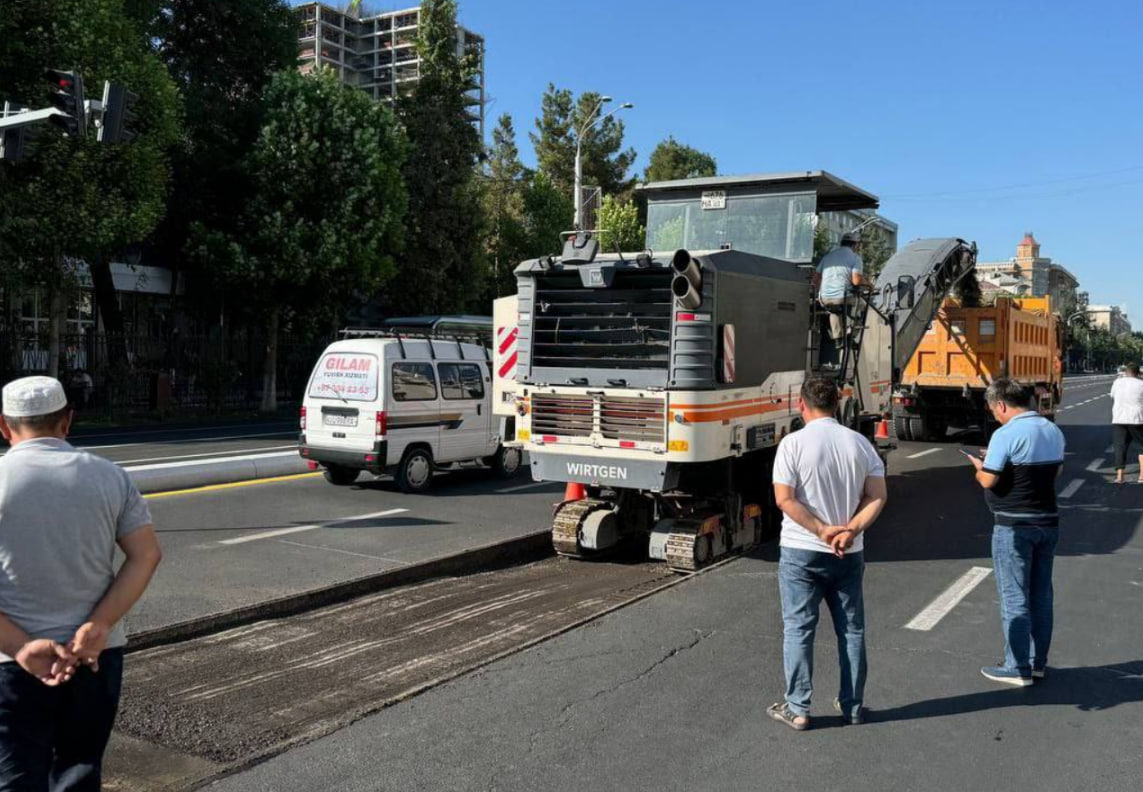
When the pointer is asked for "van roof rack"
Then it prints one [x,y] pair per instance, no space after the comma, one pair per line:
[421,334]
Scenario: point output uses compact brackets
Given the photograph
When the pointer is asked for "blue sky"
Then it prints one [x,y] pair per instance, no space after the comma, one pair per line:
[940,108]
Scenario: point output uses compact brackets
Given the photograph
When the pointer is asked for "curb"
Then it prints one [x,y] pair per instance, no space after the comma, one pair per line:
[521,549]
[204,473]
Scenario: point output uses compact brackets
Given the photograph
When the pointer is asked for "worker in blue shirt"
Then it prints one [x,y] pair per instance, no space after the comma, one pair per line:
[1018,474]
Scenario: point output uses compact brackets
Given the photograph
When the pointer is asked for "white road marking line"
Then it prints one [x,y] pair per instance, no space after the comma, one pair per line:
[923,453]
[83,436]
[343,552]
[188,462]
[1072,488]
[948,599]
[1095,465]
[219,454]
[283,433]
[302,528]
[523,487]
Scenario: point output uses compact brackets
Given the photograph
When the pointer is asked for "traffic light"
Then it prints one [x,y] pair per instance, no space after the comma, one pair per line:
[66,95]
[118,116]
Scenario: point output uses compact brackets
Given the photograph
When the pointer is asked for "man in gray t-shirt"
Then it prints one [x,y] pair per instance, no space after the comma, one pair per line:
[63,512]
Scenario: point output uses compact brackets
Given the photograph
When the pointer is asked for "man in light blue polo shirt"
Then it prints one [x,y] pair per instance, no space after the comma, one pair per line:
[1018,475]
[838,274]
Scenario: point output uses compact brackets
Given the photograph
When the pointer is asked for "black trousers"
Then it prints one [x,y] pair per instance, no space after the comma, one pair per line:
[52,738]
[1124,435]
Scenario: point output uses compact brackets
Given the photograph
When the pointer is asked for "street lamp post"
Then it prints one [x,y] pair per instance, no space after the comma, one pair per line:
[593,119]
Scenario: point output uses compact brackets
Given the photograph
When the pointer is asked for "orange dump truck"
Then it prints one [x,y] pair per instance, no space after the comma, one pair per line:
[964,350]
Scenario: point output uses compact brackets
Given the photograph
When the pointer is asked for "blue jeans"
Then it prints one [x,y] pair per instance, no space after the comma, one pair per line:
[1022,560]
[805,578]
[53,738]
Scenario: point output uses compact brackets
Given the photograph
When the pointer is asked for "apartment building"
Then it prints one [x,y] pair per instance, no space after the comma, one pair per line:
[1029,274]
[377,53]
[1110,318]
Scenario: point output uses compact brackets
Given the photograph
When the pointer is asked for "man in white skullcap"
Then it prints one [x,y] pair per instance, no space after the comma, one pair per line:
[62,513]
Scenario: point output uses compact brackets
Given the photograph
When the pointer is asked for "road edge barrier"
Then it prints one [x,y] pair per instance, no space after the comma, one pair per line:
[187,474]
[485,558]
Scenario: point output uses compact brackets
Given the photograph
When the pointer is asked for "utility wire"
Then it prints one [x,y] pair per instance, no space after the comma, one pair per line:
[973,191]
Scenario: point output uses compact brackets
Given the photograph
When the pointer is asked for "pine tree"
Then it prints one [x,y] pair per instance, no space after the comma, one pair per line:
[443,269]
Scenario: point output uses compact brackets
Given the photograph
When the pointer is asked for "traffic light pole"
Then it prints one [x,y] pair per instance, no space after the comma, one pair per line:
[28,117]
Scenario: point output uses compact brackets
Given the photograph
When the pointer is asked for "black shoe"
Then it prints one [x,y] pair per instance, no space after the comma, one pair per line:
[855,718]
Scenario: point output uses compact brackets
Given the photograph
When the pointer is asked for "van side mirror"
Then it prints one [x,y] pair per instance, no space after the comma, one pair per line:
[906,285]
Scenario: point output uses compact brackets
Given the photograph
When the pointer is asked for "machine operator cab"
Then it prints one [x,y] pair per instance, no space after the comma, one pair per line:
[384,401]
[771,215]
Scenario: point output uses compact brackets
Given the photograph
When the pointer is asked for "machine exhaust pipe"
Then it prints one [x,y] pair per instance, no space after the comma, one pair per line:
[685,293]
[683,264]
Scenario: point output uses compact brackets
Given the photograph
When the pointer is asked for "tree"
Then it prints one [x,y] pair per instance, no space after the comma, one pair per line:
[74,196]
[443,268]
[620,226]
[546,213]
[221,56]
[326,220]
[673,160]
[605,161]
[504,207]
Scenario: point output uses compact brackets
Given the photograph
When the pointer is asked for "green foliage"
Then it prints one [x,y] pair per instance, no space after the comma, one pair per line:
[74,196]
[674,160]
[443,269]
[546,213]
[605,161]
[221,75]
[326,217]
[620,226]
[503,201]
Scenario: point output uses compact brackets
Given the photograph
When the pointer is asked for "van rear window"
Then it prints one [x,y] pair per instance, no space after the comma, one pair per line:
[351,376]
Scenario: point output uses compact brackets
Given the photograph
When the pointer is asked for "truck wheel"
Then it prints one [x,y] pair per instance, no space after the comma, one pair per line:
[340,476]
[505,463]
[918,429]
[414,474]
[901,427]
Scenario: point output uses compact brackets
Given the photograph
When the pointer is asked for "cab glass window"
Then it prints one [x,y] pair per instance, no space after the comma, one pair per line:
[461,381]
[414,382]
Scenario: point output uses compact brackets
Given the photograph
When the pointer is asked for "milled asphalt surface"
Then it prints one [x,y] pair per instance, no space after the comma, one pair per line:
[256,688]
[670,693]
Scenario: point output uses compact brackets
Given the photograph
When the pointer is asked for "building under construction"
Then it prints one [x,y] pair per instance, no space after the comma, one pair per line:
[377,52]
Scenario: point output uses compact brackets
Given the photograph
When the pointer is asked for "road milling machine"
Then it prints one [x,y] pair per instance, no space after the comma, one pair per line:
[664,380]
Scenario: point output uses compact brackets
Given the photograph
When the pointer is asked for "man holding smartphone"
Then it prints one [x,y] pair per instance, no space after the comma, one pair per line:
[1018,474]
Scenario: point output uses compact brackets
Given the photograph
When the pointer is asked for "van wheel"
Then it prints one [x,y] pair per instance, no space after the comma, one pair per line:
[415,473]
[505,463]
[340,476]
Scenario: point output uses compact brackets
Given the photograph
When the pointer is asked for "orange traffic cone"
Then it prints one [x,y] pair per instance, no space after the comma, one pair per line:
[882,430]
[575,492]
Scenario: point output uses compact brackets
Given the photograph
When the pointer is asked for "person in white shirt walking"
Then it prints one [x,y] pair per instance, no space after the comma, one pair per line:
[830,483]
[1127,418]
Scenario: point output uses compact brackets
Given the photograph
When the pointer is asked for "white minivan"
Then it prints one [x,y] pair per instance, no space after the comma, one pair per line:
[387,403]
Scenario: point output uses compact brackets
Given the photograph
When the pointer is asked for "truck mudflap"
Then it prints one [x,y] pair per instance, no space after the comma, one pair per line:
[638,474]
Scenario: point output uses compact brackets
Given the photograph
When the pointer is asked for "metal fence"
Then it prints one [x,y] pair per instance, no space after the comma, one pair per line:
[136,374]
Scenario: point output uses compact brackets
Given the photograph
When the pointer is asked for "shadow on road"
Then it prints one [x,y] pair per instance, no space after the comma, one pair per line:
[1090,689]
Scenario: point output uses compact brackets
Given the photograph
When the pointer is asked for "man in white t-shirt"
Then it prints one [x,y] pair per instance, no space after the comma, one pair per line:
[830,483]
[1127,418]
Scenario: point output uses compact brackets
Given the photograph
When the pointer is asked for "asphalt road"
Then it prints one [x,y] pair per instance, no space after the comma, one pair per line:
[670,693]
[236,545]
[177,444]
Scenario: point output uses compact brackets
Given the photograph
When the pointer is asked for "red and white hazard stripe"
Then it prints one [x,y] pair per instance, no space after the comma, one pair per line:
[728,353]
[506,352]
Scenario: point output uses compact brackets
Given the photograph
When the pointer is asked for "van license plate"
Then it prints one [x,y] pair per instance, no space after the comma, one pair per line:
[339,420]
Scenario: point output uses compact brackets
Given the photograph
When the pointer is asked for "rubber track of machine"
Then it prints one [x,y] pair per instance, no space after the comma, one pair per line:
[681,550]
[567,522]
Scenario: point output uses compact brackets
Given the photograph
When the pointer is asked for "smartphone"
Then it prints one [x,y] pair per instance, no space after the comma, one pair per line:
[970,456]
